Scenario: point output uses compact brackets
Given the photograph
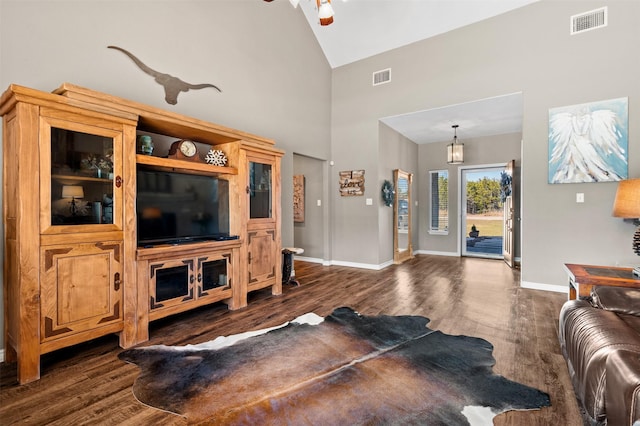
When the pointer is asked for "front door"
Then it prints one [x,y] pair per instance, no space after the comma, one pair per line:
[482,219]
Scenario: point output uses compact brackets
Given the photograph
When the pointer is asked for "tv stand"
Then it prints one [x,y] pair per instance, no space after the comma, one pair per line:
[69,277]
[199,274]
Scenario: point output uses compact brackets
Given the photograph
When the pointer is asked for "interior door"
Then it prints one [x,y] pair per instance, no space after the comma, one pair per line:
[508,241]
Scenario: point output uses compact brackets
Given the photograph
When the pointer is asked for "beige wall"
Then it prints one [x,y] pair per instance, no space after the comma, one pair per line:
[310,234]
[528,50]
[274,77]
[499,149]
[394,152]
[276,83]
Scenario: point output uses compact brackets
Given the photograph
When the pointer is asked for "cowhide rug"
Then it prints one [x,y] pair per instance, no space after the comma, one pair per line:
[342,369]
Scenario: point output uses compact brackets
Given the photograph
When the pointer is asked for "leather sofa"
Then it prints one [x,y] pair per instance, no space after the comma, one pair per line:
[600,340]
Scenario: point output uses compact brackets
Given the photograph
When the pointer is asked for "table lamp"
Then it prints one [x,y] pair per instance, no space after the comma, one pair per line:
[627,206]
[73,192]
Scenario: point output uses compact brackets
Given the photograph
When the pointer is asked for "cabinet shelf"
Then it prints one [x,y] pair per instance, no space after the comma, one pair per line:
[184,166]
[79,178]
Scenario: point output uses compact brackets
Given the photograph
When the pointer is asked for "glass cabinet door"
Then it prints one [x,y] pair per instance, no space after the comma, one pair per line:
[82,178]
[260,194]
[214,275]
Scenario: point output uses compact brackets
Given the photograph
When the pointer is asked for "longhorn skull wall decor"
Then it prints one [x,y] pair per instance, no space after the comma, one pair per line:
[172,85]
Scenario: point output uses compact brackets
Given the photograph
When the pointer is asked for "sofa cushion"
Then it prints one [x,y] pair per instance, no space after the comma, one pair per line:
[588,336]
[623,381]
[633,322]
[620,300]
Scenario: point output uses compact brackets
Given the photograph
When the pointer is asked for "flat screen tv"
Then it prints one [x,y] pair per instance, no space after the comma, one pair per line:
[174,208]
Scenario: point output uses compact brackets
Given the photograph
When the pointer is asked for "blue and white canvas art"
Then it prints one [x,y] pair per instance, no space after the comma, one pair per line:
[589,142]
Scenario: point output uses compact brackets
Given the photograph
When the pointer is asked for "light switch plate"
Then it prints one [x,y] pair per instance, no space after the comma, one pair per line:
[369,201]
[580,197]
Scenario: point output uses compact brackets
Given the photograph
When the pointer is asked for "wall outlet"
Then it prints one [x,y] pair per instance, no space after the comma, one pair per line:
[319,203]
[369,201]
[580,197]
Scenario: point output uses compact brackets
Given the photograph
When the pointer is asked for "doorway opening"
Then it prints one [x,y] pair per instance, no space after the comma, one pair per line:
[482,221]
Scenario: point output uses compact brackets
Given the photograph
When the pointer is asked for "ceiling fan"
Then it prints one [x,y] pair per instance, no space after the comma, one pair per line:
[325,11]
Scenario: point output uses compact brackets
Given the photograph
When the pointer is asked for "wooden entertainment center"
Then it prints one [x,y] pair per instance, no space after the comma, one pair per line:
[73,267]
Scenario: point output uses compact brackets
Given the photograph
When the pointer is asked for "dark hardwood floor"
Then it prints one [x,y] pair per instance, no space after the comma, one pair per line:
[88,384]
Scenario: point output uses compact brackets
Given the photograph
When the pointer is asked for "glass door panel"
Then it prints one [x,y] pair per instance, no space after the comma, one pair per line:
[260,197]
[171,283]
[81,178]
[214,274]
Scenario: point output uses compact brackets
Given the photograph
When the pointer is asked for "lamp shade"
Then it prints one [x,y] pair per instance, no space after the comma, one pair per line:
[455,150]
[627,202]
[455,153]
[72,191]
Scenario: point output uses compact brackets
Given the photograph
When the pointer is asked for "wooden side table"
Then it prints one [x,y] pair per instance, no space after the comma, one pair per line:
[583,277]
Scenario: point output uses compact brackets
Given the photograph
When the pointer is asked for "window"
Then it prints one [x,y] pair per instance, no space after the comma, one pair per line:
[439,211]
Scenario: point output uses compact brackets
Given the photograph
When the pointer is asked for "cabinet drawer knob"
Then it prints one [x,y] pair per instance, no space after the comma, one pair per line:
[118,181]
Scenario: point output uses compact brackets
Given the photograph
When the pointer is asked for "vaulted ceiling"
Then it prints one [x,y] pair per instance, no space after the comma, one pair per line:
[363,28]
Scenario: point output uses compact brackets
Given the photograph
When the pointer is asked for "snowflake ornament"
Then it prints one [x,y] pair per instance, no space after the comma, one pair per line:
[216,157]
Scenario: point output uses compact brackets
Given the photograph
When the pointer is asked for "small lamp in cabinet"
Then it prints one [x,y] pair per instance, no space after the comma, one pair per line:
[73,192]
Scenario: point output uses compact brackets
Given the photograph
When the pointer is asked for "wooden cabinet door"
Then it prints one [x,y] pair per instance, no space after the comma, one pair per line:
[81,288]
[262,249]
[81,169]
[214,274]
[263,222]
[171,283]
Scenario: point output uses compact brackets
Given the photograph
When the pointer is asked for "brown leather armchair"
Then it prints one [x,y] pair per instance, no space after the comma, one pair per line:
[600,339]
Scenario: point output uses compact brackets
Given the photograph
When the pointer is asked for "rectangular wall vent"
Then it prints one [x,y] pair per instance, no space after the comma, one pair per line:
[381,77]
[589,20]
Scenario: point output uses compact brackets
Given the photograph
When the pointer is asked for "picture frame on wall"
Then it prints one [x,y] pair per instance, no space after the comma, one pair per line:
[589,142]
[298,198]
[351,183]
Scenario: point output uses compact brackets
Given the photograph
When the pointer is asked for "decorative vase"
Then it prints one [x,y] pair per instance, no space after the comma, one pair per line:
[146,144]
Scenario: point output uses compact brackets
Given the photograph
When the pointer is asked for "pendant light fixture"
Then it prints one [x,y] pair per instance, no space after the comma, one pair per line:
[455,154]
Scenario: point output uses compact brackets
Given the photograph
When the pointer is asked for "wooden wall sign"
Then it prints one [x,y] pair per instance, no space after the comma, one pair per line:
[352,183]
[298,198]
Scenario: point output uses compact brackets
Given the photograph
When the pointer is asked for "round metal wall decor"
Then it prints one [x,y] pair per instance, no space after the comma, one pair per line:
[388,193]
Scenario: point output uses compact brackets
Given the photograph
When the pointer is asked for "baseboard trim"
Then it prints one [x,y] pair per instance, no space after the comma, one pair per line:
[546,287]
[358,265]
[342,263]
[438,253]
[309,259]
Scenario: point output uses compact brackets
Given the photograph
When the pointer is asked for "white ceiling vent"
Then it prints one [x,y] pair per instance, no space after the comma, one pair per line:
[381,77]
[588,21]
